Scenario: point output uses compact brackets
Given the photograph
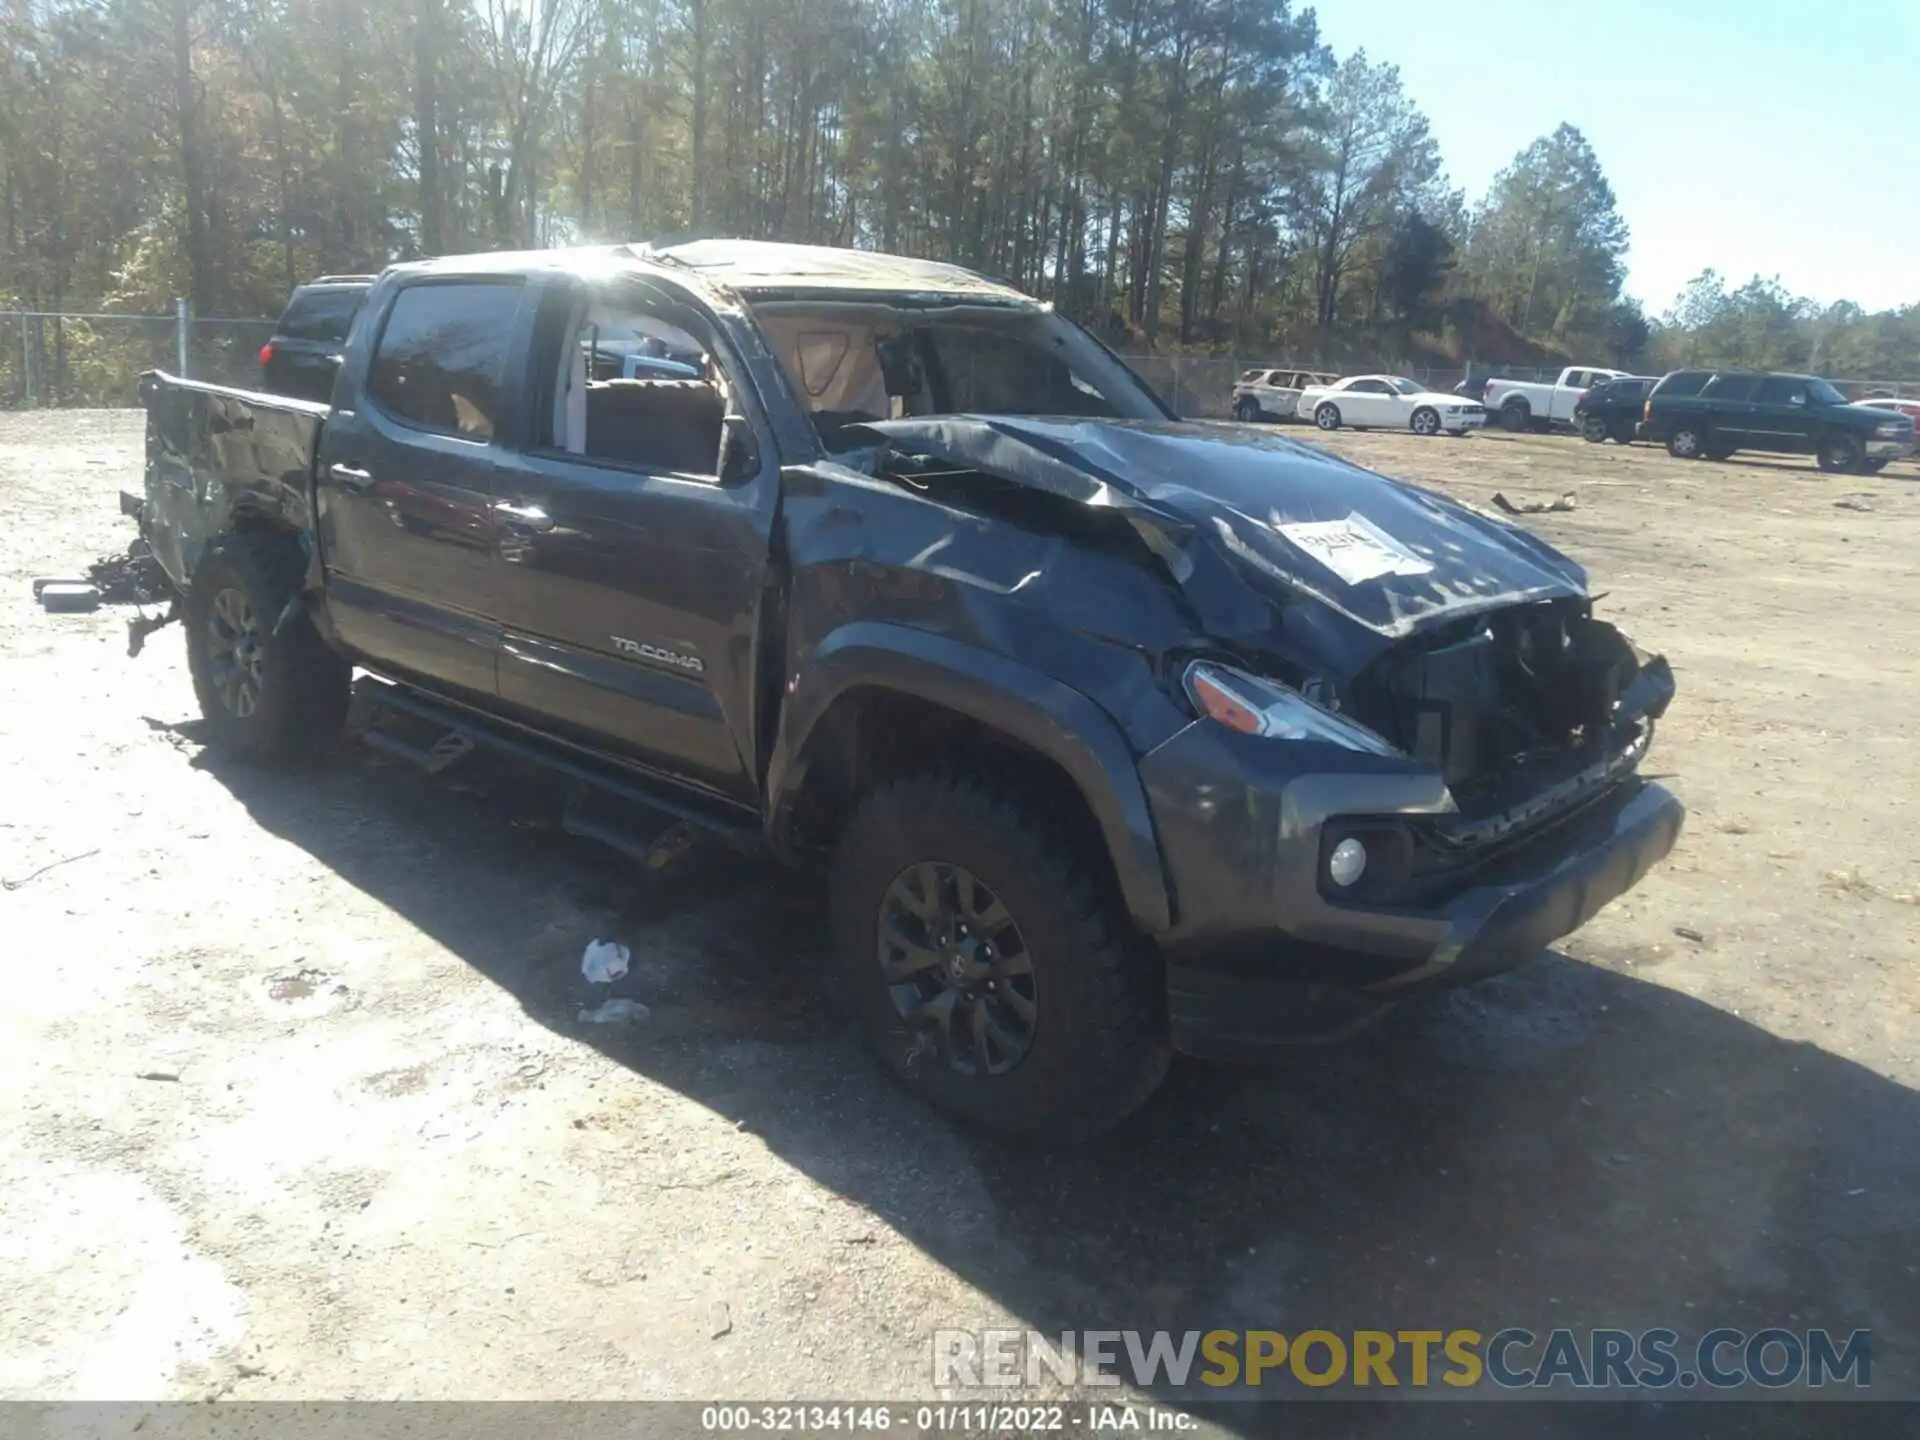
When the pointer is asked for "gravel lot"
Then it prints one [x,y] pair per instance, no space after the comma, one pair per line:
[296,1102]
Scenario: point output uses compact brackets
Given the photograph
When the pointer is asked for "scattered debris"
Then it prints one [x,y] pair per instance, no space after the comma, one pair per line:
[1535,507]
[50,865]
[1853,502]
[605,961]
[719,1319]
[171,1075]
[1861,1191]
[618,1011]
[67,596]
[298,986]
[133,577]
[40,585]
[1687,932]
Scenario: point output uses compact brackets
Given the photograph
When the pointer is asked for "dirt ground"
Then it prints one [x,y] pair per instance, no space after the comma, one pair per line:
[295,1101]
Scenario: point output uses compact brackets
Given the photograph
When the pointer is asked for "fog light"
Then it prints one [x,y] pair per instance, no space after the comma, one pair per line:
[1347,863]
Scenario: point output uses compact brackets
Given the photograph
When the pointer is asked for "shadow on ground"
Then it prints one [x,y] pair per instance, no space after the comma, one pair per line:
[1566,1146]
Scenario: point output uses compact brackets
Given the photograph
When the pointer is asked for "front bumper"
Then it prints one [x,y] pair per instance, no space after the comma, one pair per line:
[1889,449]
[1275,961]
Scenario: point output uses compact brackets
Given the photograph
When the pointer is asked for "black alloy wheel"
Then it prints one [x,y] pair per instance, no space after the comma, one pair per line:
[957,968]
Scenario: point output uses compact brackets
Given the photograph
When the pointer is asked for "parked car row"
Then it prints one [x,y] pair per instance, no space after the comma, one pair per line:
[1696,414]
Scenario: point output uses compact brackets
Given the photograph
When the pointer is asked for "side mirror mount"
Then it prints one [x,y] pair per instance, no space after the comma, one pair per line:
[739,454]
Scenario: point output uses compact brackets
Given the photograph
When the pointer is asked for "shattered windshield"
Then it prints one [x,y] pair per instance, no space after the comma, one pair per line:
[856,361]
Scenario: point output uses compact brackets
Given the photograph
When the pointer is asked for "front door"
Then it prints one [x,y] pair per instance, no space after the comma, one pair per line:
[1782,415]
[1366,402]
[631,573]
[406,482]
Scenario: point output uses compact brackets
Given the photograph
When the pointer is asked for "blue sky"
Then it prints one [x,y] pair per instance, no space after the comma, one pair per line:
[1770,137]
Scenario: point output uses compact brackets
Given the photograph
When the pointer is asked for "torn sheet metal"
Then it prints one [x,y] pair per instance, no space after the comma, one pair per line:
[1233,509]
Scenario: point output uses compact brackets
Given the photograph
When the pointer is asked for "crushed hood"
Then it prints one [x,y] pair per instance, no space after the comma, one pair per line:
[1233,510]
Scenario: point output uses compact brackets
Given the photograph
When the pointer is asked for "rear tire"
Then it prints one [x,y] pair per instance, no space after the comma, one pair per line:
[1072,1040]
[1686,443]
[1515,416]
[1327,417]
[1426,421]
[265,688]
[1842,453]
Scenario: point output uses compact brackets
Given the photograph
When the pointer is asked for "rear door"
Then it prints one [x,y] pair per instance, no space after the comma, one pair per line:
[1730,412]
[1566,394]
[406,478]
[631,572]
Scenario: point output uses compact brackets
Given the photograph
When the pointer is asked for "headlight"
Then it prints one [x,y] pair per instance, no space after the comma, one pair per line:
[1254,706]
[1890,429]
[1453,409]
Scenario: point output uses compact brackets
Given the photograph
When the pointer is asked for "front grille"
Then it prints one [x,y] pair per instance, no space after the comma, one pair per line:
[1473,409]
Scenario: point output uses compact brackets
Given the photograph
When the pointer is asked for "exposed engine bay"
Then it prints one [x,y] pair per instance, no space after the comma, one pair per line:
[1514,702]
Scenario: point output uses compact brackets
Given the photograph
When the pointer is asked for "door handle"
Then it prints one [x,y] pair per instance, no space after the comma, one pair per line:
[523,517]
[348,478]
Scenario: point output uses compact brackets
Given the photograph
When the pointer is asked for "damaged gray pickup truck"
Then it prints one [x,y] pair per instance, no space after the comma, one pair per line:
[1113,735]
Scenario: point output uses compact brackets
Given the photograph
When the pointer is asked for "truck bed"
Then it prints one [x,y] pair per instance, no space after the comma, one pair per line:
[216,454]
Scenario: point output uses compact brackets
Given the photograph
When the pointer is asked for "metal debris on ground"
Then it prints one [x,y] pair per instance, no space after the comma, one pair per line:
[50,865]
[719,1319]
[604,962]
[67,596]
[1534,507]
[619,1011]
[1853,502]
[1687,932]
[133,577]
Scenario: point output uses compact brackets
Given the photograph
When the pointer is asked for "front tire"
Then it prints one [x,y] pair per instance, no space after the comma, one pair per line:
[990,964]
[1327,417]
[1246,411]
[1426,421]
[265,688]
[1686,443]
[1842,453]
[1594,429]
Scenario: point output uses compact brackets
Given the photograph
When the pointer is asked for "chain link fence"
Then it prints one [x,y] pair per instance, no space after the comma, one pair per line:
[80,359]
[95,359]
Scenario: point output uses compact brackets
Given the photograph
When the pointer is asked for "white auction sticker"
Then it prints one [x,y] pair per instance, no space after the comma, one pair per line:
[1355,549]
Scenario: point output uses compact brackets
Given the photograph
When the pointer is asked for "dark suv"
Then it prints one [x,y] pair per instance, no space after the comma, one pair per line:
[1713,413]
[1611,410]
[304,353]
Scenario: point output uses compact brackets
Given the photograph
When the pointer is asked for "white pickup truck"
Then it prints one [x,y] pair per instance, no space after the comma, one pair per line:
[1526,404]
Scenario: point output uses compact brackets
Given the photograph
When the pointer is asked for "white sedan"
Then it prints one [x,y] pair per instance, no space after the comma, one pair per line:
[1389,402]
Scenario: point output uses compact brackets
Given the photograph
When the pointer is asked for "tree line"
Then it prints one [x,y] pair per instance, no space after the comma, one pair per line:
[1200,175]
